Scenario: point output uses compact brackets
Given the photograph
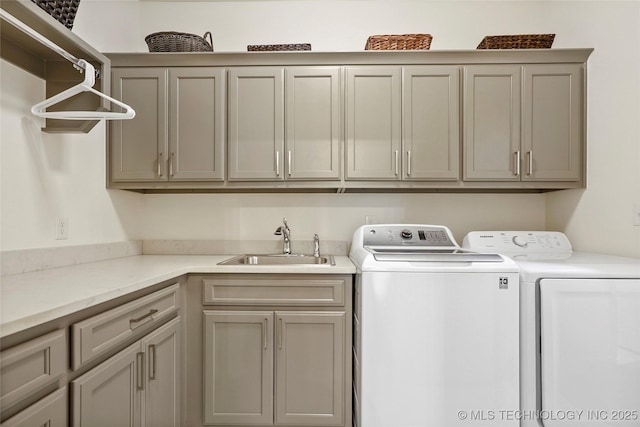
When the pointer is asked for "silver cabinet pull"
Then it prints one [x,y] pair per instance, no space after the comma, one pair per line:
[277,163]
[264,332]
[396,169]
[140,371]
[173,155]
[151,312]
[159,161]
[289,162]
[152,362]
[516,163]
[529,162]
[280,337]
[409,163]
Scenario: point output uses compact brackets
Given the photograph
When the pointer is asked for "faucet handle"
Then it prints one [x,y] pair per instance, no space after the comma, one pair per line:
[316,246]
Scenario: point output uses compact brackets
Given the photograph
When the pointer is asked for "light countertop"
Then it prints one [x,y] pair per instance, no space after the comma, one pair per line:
[31,299]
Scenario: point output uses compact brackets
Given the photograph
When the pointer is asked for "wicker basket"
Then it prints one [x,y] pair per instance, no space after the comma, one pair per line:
[399,42]
[171,41]
[277,47]
[64,11]
[517,41]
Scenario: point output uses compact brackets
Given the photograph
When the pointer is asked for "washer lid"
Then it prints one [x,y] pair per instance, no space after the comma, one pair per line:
[432,255]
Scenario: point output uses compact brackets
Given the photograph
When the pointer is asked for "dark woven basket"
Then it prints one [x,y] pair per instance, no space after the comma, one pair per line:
[517,41]
[171,41]
[399,42]
[278,47]
[64,11]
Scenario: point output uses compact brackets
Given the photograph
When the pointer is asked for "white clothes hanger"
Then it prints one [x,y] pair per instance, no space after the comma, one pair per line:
[86,86]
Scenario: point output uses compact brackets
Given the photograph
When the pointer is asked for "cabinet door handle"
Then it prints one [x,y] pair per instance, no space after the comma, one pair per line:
[152,362]
[264,332]
[277,163]
[143,317]
[280,337]
[516,162]
[171,164]
[409,163]
[140,371]
[529,162]
[159,161]
[396,168]
[289,162]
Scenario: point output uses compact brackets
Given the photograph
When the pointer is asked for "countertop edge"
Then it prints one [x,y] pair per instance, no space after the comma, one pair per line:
[32,299]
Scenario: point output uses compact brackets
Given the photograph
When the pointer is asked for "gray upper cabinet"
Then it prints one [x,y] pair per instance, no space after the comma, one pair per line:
[196,124]
[523,123]
[178,131]
[312,136]
[373,122]
[260,147]
[476,120]
[256,123]
[431,122]
[552,122]
[139,146]
[492,122]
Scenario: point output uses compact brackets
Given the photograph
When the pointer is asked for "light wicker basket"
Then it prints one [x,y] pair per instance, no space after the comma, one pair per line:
[278,47]
[517,41]
[64,11]
[399,42]
[172,41]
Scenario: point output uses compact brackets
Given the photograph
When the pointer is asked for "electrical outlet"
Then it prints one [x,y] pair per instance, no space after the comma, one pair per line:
[636,214]
[62,228]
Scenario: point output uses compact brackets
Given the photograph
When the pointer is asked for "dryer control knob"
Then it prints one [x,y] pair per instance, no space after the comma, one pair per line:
[519,242]
[406,234]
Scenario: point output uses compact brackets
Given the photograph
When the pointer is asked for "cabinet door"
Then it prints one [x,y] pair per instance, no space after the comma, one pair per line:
[310,368]
[256,123]
[163,375]
[238,367]
[552,122]
[373,132]
[196,141]
[431,112]
[313,123]
[50,411]
[492,122]
[138,146]
[109,394]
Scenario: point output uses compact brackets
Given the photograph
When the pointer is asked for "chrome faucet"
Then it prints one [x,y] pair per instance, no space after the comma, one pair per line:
[285,231]
[316,246]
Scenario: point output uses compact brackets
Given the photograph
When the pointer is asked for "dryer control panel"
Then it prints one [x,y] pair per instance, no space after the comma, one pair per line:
[517,241]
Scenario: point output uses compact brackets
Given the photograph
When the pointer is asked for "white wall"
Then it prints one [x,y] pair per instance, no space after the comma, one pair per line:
[45,176]
[612,28]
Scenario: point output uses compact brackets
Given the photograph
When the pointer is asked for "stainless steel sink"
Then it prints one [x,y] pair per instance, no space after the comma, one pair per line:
[279,259]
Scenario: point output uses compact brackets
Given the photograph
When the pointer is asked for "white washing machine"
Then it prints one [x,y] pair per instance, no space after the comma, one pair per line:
[435,330]
[580,330]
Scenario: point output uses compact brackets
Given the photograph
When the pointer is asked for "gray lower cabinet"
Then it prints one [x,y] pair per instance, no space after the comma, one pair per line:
[250,355]
[523,123]
[139,386]
[403,123]
[261,101]
[178,131]
[50,411]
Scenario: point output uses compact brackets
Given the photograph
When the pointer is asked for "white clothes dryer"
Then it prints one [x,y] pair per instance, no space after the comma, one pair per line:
[579,330]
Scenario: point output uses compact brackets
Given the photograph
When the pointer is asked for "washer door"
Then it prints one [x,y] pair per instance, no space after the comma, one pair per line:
[590,352]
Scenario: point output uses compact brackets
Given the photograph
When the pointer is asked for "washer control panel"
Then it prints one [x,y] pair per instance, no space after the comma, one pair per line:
[408,235]
[517,241]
